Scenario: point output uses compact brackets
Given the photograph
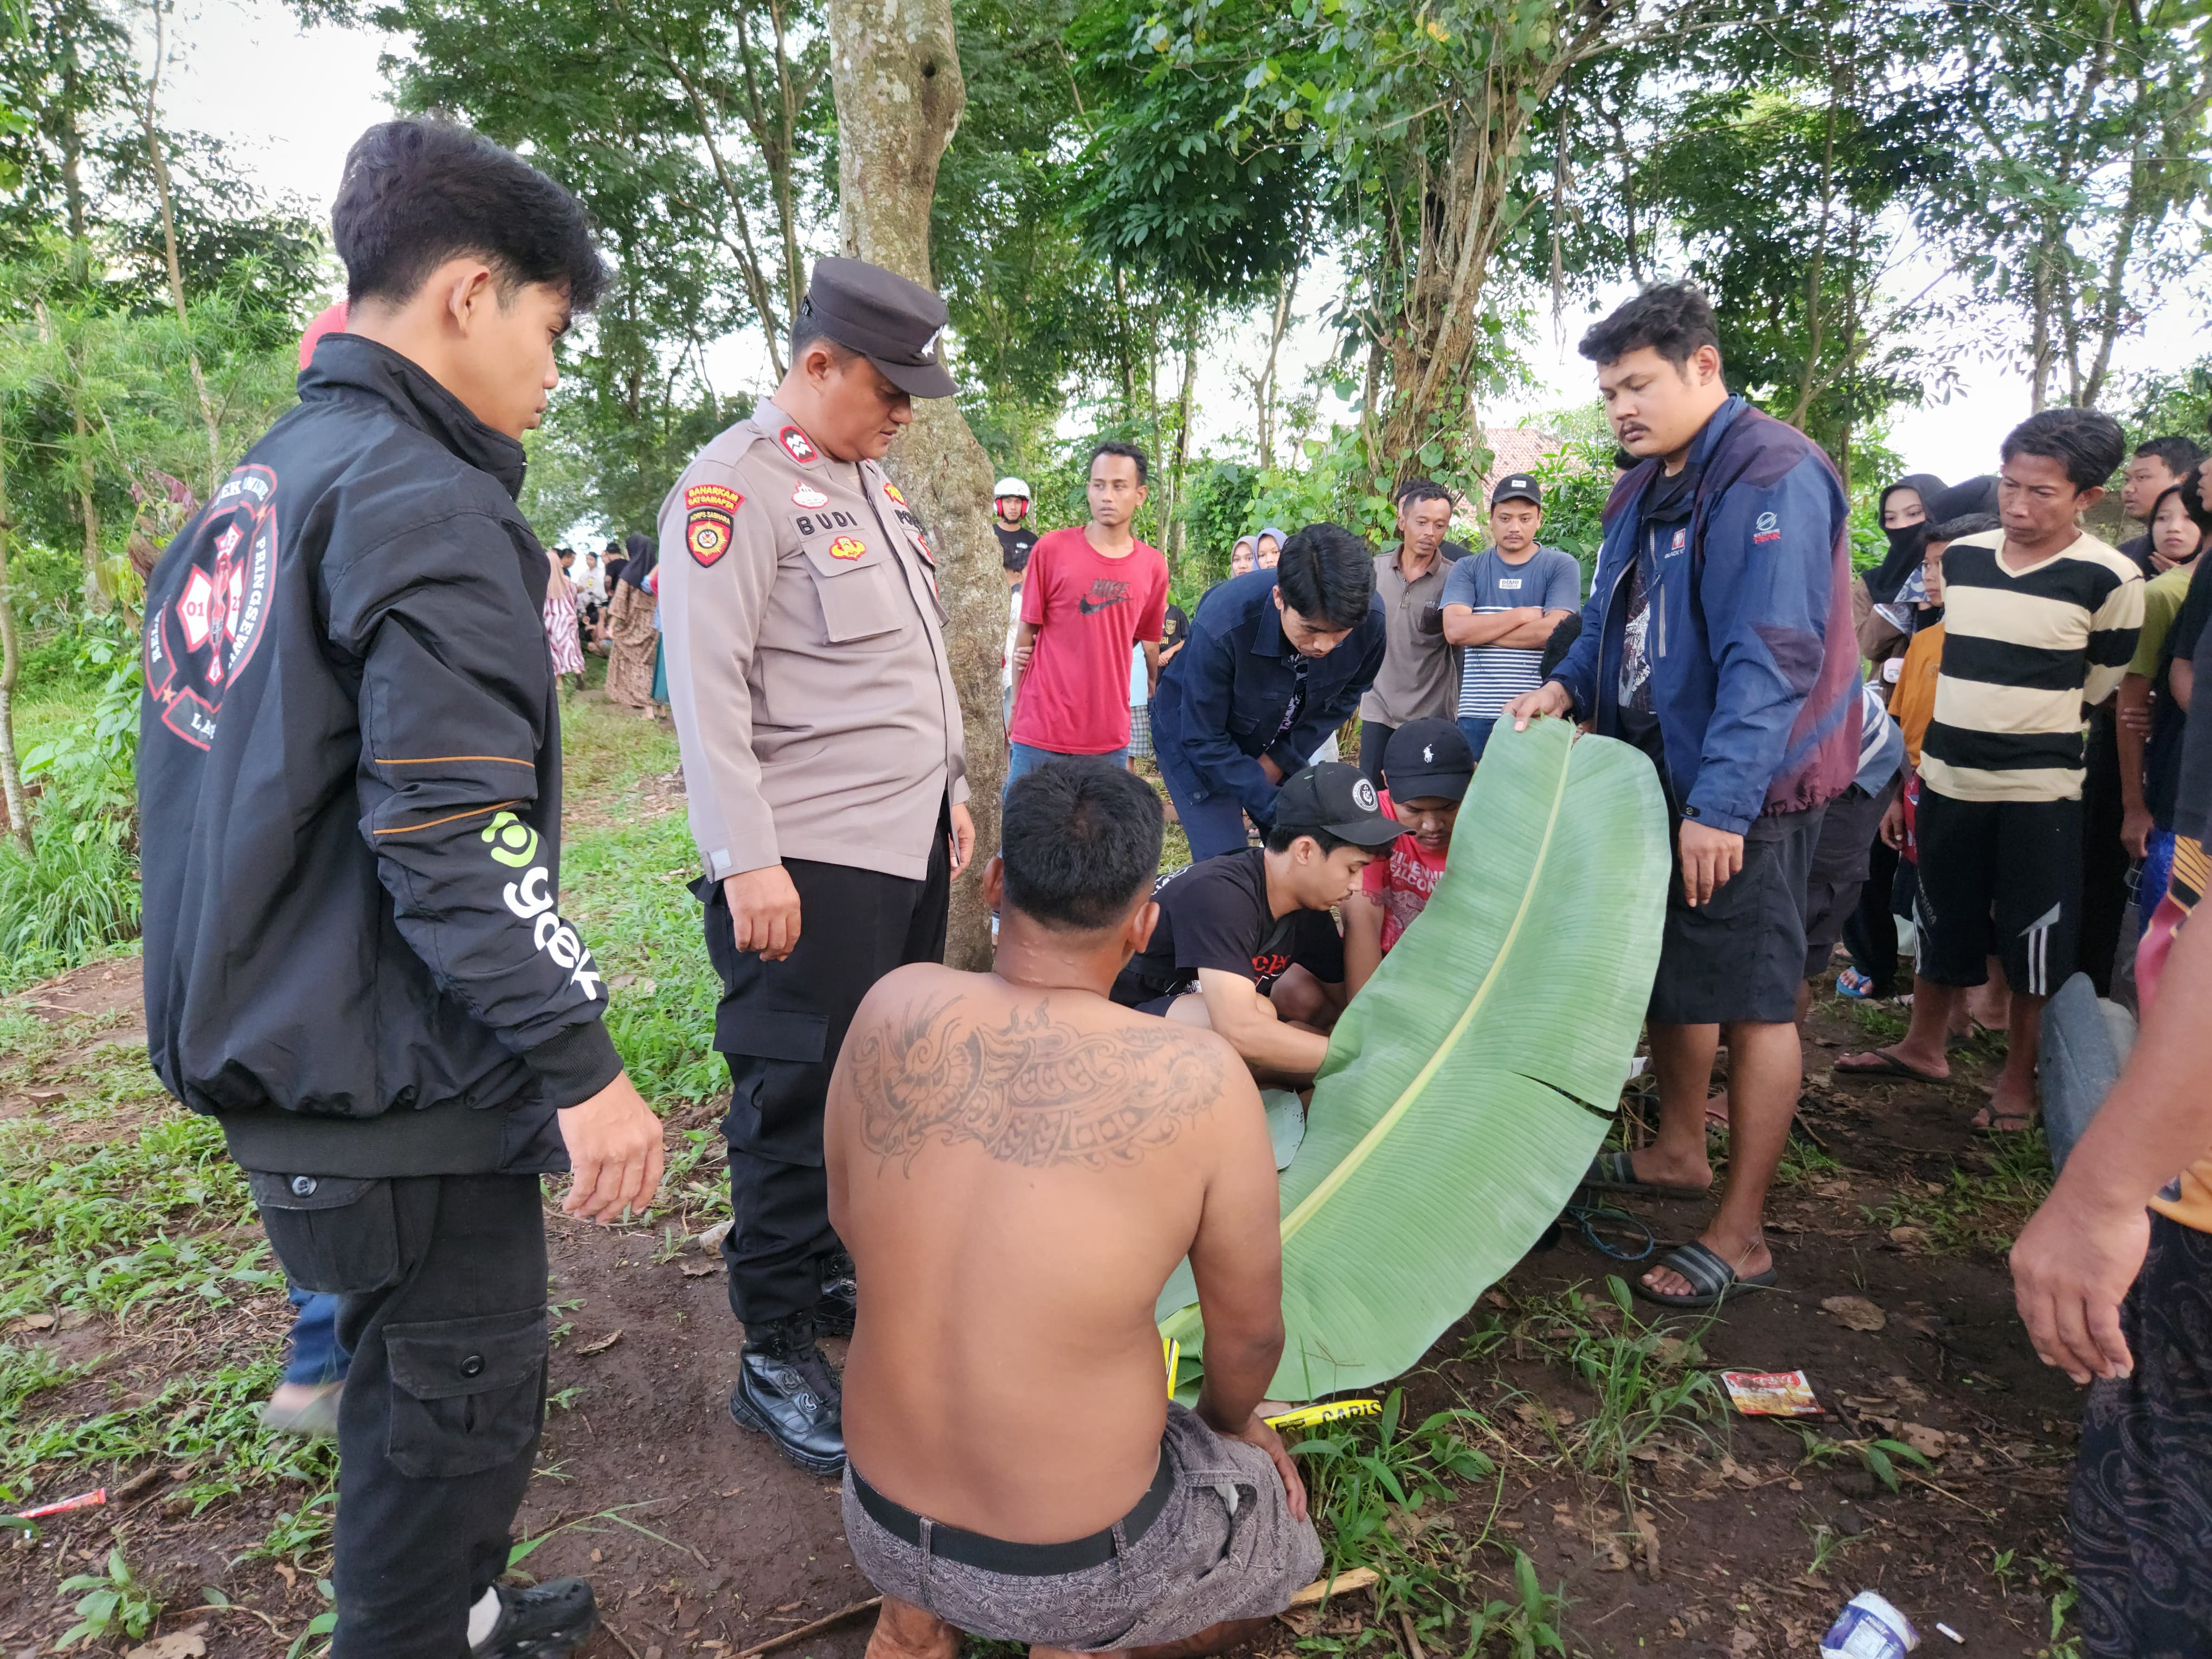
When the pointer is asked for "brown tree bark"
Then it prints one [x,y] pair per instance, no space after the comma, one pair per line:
[15,805]
[895,75]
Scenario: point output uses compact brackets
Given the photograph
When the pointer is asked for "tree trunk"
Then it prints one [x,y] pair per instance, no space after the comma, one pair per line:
[1264,382]
[149,115]
[1179,468]
[11,771]
[896,76]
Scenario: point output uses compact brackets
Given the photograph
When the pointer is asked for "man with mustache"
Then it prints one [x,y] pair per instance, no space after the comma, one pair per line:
[1717,638]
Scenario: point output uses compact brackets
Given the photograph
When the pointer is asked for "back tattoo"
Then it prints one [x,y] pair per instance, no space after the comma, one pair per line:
[1028,1092]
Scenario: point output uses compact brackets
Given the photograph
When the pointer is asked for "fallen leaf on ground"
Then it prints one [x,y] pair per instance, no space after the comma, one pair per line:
[602,1344]
[1856,1312]
[1911,1237]
[1732,1470]
[1647,1529]
[712,1238]
[700,1269]
[1929,1442]
[41,1322]
[177,1644]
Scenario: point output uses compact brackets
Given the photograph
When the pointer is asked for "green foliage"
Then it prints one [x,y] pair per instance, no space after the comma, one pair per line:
[1217,508]
[1878,1457]
[210,1419]
[2080,129]
[104,1228]
[1577,480]
[626,888]
[699,137]
[1365,1471]
[1438,1147]
[2178,403]
[26,1371]
[88,772]
[1178,179]
[116,1603]
[64,904]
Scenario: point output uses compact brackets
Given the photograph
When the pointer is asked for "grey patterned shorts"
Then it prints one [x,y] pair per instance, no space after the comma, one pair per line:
[1224,1546]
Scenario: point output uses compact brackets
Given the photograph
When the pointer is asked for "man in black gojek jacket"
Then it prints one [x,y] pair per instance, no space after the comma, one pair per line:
[350,771]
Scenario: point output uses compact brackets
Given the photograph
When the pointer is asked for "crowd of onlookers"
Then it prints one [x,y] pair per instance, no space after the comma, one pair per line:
[366,978]
[1974,750]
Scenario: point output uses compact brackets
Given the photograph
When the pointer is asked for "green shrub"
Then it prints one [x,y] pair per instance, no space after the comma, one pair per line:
[68,902]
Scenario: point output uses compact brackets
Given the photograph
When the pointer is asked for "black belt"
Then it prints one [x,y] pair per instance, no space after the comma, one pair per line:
[973,1549]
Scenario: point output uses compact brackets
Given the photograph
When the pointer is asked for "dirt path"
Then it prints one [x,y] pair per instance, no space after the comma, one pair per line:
[1703,1540]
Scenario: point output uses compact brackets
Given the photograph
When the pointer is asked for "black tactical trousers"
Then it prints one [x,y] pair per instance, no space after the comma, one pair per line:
[780,1025]
[442,1287]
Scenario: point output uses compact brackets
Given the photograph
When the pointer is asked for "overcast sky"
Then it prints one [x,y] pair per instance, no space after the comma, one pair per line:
[291,101]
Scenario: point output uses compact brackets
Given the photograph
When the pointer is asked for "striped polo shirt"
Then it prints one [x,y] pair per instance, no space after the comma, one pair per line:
[2023,651]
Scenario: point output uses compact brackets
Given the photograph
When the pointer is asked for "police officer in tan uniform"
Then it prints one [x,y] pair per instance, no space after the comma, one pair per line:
[827,782]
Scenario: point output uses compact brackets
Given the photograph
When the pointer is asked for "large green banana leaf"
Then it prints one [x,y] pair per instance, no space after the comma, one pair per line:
[1468,1085]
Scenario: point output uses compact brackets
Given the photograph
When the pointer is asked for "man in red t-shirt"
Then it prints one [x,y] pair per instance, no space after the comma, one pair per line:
[1090,596]
[1427,766]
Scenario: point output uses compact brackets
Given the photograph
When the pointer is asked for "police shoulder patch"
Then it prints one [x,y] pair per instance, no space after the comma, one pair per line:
[797,445]
[710,521]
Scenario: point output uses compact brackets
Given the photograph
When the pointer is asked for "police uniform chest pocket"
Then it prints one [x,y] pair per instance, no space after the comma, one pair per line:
[861,593]
[466,1393]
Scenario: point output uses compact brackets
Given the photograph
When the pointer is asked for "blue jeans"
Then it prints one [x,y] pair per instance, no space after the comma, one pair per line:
[1476,729]
[1026,759]
[316,1358]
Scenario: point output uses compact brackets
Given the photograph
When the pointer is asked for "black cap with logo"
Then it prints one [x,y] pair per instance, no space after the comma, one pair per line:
[890,321]
[1516,487]
[1428,760]
[1334,797]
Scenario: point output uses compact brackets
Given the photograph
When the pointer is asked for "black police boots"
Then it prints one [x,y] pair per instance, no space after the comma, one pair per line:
[546,1621]
[786,1391]
[840,1296]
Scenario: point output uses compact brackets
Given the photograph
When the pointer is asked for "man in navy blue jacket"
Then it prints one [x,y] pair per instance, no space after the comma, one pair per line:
[1717,638]
[1275,661]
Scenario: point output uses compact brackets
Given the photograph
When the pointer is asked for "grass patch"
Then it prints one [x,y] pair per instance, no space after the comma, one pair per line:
[210,1423]
[606,751]
[67,903]
[1377,1488]
[1642,1377]
[1884,1024]
[627,890]
[88,1226]
[1979,1209]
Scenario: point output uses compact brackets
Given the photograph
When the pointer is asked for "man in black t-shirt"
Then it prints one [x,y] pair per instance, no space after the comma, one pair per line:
[1245,944]
[1010,508]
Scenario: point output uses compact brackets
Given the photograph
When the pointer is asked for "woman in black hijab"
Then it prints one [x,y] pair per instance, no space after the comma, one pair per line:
[1908,508]
[632,641]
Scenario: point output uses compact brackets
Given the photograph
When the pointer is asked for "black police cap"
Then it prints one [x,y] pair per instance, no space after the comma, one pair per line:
[893,322]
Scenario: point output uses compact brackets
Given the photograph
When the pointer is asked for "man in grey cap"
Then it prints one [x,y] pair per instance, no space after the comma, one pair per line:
[827,781]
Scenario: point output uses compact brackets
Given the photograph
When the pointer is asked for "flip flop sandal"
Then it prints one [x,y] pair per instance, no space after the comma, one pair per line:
[1854,984]
[1886,1065]
[1615,1172]
[1712,1280]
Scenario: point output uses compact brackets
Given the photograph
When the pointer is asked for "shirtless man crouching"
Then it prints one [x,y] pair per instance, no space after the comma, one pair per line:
[1017,1165]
